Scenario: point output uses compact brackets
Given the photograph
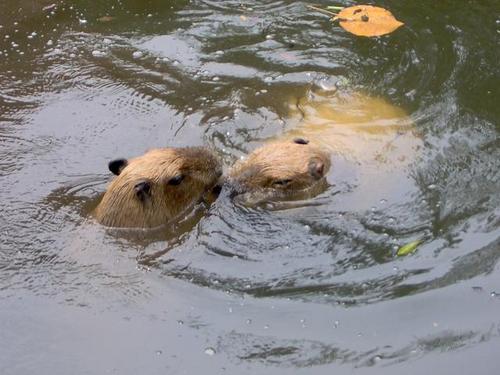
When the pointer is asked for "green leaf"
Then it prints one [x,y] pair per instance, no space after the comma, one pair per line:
[408,248]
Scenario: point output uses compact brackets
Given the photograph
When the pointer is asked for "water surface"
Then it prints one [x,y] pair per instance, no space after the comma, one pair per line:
[308,288]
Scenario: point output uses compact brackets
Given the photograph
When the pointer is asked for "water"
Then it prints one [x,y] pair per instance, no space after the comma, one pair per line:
[307,288]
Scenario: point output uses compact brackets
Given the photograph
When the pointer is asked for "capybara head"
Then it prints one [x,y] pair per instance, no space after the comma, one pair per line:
[155,188]
[280,170]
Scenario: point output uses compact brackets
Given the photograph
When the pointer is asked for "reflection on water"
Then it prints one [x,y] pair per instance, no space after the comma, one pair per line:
[415,156]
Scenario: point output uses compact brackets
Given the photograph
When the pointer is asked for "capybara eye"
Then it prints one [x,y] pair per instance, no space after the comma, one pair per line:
[142,190]
[176,180]
[301,141]
[116,166]
[282,182]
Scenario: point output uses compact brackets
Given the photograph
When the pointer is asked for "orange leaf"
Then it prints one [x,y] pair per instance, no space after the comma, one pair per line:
[367,20]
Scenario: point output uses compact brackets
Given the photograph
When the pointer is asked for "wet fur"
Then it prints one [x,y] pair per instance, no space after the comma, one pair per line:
[122,207]
[261,175]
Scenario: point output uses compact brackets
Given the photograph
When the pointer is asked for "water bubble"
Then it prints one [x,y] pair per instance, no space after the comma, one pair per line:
[82,21]
[210,351]
[219,52]
[97,53]
[377,358]
[269,36]
[230,310]
[72,55]
[266,326]
[137,55]
[383,201]
[180,322]
[158,352]
[435,324]
[215,79]
[268,79]
[50,42]
[149,15]
[431,187]
[336,324]
[494,294]
[248,321]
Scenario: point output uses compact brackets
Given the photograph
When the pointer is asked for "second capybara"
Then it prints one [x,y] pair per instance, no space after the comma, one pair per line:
[375,137]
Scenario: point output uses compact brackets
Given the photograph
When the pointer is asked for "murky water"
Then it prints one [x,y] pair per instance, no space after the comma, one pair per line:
[308,287]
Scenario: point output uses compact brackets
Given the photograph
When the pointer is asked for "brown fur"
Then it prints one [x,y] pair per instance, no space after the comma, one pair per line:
[120,205]
[280,170]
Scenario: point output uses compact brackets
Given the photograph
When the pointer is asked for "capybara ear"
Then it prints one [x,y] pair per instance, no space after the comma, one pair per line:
[300,141]
[142,190]
[316,168]
[116,166]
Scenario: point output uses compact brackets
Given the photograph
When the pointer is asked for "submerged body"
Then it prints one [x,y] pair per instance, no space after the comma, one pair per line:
[157,187]
[358,127]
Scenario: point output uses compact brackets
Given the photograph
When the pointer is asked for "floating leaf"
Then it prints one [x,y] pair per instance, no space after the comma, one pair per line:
[367,20]
[408,248]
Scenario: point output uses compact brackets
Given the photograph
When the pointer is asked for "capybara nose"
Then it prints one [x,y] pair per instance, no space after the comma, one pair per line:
[217,189]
